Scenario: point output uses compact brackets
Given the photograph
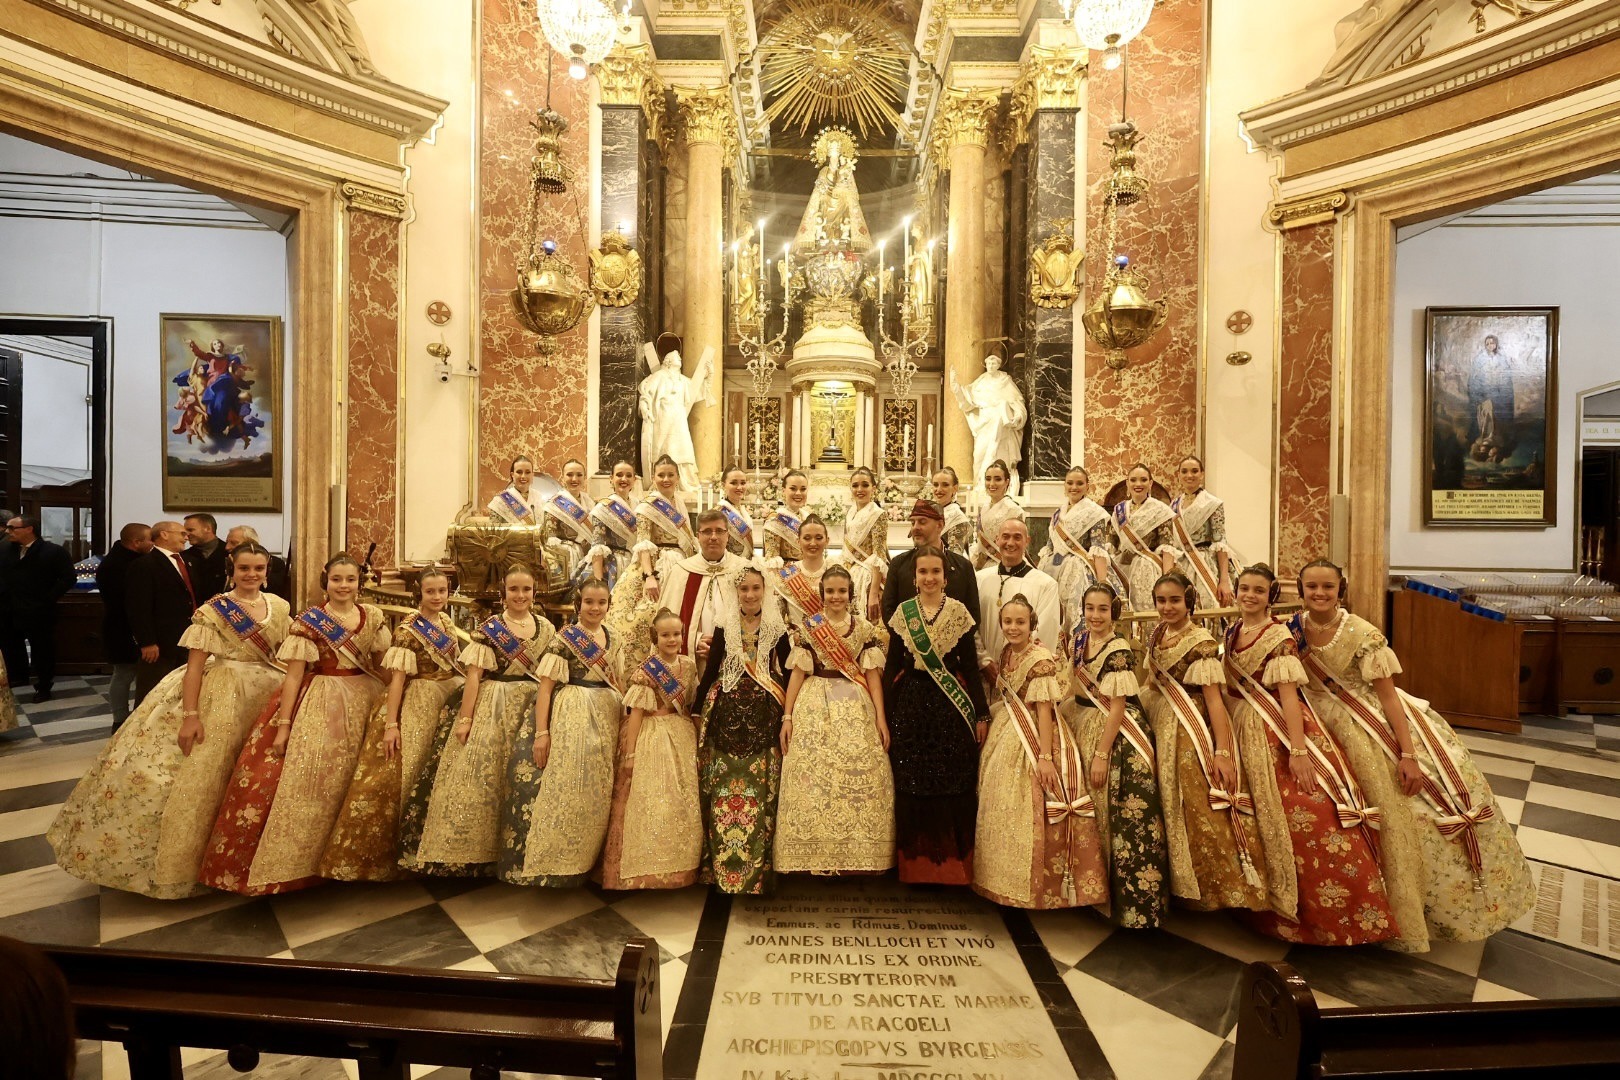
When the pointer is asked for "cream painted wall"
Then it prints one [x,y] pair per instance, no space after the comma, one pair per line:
[1573,268]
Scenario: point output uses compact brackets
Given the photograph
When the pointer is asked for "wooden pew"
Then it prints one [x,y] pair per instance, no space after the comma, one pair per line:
[385,1018]
[1283,1035]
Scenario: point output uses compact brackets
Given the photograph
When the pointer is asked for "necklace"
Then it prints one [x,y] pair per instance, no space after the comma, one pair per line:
[1322,628]
[931,619]
[1172,636]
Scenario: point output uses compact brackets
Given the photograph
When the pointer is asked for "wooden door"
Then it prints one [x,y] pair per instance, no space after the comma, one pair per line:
[10,430]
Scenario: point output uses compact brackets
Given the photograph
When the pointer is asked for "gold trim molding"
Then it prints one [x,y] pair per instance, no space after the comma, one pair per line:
[707,117]
[964,118]
[1311,211]
[372,200]
[1050,78]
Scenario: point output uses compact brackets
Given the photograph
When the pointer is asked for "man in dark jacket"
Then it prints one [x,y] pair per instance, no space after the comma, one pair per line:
[117,643]
[927,522]
[34,575]
[206,557]
[161,600]
[277,579]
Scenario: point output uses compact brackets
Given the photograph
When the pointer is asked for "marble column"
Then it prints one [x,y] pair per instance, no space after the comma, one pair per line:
[962,135]
[1305,394]
[632,103]
[711,139]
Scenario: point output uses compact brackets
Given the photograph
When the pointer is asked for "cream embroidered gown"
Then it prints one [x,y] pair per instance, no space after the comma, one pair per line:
[1086,524]
[866,551]
[987,527]
[140,818]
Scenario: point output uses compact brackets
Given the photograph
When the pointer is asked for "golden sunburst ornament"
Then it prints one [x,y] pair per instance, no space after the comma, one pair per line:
[829,61]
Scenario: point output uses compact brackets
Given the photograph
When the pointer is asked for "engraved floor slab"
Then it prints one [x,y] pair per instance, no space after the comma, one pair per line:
[866,980]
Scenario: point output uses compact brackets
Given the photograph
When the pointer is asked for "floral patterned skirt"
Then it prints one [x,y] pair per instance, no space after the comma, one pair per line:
[655,829]
[555,819]
[1230,873]
[1131,819]
[836,810]
[739,778]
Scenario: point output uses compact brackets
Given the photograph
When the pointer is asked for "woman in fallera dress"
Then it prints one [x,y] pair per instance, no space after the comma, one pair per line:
[140,818]
[957,534]
[799,583]
[423,670]
[1121,764]
[998,508]
[1143,538]
[514,504]
[1076,553]
[1216,859]
[1199,528]
[663,538]
[739,522]
[559,784]
[781,529]
[567,518]
[613,527]
[1037,844]
[655,828]
[938,718]
[836,813]
[1475,879]
[8,704]
[866,543]
[1323,874]
[452,817]
[292,774]
[739,748]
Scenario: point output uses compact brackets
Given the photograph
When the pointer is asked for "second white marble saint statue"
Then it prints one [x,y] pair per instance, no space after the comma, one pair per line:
[666,399]
[996,415]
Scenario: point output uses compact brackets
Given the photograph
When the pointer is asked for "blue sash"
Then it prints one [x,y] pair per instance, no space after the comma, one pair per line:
[567,510]
[442,643]
[788,522]
[508,644]
[243,626]
[514,505]
[619,518]
[667,508]
[592,655]
[735,520]
[664,681]
[338,637]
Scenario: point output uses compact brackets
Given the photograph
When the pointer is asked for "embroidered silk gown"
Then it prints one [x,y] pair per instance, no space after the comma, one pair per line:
[932,746]
[668,543]
[866,551]
[1022,858]
[1130,814]
[781,530]
[513,507]
[739,542]
[655,828]
[613,532]
[561,535]
[987,527]
[1150,521]
[1078,534]
[1457,905]
[1216,859]
[140,818]
[279,811]
[957,535]
[364,845]
[452,819]
[1335,894]
[555,819]
[836,813]
[1203,517]
[798,609]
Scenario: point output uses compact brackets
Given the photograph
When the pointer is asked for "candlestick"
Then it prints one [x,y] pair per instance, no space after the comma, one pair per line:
[736,441]
[756,446]
[883,444]
[928,447]
[905,243]
[781,441]
[880,279]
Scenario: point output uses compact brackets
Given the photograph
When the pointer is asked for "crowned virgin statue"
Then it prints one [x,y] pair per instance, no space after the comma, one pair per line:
[833,218]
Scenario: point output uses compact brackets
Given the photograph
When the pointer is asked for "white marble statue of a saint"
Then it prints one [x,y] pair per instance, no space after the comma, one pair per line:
[666,399]
[996,415]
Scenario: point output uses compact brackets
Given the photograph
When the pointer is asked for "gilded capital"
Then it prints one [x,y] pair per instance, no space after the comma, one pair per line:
[1049,79]
[626,76]
[707,117]
[964,118]
[372,200]
[1312,210]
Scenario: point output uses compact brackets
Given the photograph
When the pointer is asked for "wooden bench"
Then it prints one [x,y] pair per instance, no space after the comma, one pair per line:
[385,1018]
[1283,1035]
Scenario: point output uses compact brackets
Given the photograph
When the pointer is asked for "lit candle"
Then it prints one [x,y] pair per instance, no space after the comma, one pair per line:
[756,445]
[781,440]
[883,443]
[905,242]
[880,280]
[928,447]
[736,441]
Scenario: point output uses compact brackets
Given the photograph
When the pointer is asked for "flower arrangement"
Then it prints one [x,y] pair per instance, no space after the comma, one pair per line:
[830,509]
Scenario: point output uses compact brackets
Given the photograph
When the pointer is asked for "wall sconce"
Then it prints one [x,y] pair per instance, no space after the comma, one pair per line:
[441,352]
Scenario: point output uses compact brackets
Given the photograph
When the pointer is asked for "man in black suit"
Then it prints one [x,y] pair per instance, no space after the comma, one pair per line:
[118,644]
[278,579]
[927,523]
[206,558]
[34,575]
[161,599]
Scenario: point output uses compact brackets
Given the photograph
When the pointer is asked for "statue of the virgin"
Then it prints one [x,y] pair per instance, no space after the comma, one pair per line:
[833,219]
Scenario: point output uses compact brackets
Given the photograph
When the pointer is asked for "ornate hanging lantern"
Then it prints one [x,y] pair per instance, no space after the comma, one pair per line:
[550,298]
[1107,26]
[582,30]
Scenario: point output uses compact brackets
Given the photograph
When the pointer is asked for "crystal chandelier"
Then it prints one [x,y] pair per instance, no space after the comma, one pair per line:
[582,30]
[1107,26]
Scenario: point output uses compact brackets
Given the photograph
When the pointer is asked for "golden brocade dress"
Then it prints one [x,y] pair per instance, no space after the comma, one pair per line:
[668,545]
[655,829]
[140,818]
[1020,857]
[836,810]
[1150,521]
[1457,905]
[1069,561]
[957,535]
[1211,865]
[613,532]
[452,818]
[555,819]
[8,704]
[364,845]
[866,550]
[987,529]
[275,820]
[781,531]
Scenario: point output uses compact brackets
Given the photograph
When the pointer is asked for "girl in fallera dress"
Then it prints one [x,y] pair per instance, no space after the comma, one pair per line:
[1121,763]
[423,671]
[140,818]
[560,780]
[957,535]
[1216,859]
[1475,880]
[452,817]
[567,518]
[613,527]
[997,510]
[739,746]
[938,719]
[1321,847]
[1143,538]
[739,523]
[1037,844]
[866,544]
[1076,555]
[782,527]
[1199,527]
[655,828]
[514,504]
[663,538]
[799,583]
[292,774]
[8,704]
[836,813]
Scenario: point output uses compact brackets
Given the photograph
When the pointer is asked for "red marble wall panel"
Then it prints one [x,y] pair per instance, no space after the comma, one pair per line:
[372,406]
[527,404]
[1305,397]
[1149,412]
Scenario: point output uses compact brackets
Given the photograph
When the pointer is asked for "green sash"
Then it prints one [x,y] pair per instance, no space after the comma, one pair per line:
[923,646]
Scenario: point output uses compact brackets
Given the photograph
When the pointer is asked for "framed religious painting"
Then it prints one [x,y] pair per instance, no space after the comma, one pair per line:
[221,386]
[1489,417]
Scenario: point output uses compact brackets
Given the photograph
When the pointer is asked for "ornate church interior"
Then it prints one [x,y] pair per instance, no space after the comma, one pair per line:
[831,539]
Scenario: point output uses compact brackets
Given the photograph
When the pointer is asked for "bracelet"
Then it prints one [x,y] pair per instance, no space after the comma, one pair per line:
[1223,753]
[188,712]
[1408,757]
[463,719]
[390,727]
[279,722]
[1099,756]
[542,734]
[1298,751]
[1046,756]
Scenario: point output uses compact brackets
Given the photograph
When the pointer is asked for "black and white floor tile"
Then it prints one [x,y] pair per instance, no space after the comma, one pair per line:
[1161,1004]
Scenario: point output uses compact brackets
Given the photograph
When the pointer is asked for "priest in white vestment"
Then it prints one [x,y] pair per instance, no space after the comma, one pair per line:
[702,588]
[1003,580]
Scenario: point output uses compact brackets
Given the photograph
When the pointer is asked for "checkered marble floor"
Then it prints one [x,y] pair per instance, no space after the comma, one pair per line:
[1161,1004]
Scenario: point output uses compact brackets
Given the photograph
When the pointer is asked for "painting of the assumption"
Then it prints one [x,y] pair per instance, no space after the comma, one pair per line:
[221,399]
[1490,404]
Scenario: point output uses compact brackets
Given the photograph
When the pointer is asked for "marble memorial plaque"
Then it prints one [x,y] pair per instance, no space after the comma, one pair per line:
[866,980]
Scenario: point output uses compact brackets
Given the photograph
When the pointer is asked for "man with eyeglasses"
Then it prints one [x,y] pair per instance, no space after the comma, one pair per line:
[34,575]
